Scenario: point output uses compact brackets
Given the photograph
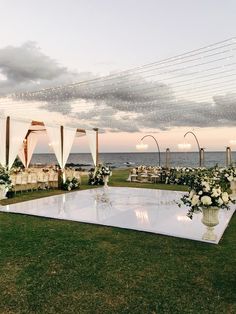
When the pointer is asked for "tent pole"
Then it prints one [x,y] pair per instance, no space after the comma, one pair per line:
[7,141]
[60,173]
[97,153]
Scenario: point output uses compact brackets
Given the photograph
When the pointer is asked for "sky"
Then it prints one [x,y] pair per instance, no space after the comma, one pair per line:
[52,43]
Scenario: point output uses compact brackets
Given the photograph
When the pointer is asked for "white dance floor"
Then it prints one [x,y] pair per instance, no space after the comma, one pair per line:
[147,210]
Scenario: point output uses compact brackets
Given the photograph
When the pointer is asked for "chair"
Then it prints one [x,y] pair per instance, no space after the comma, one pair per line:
[52,179]
[76,175]
[13,182]
[18,179]
[42,180]
[24,181]
[133,176]
[32,181]
[144,176]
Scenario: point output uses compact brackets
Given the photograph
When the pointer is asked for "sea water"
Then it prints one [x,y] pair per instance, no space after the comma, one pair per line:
[122,160]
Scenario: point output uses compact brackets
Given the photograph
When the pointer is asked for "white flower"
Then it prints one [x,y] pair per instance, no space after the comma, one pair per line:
[200,192]
[225,197]
[195,200]
[220,201]
[206,200]
[216,192]
[191,194]
[206,186]
[230,178]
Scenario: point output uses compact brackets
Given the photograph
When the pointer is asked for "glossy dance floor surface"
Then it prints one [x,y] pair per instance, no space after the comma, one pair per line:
[147,210]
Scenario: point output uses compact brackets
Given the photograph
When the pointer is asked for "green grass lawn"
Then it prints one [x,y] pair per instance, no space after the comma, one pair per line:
[54,266]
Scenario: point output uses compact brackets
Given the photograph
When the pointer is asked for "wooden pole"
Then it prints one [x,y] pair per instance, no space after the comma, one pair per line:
[60,173]
[7,141]
[97,150]
[26,151]
[62,142]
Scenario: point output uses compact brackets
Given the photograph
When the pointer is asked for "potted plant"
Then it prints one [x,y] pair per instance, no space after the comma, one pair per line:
[207,194]
[5,182]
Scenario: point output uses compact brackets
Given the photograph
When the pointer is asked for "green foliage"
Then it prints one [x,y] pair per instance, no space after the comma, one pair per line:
[5,177]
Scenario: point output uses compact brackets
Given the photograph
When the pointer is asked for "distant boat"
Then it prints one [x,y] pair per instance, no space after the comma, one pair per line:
[128,163]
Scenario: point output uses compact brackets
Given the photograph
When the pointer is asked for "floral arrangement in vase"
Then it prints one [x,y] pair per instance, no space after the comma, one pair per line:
[206,191]
[71,184]
[100,175]
[208,194]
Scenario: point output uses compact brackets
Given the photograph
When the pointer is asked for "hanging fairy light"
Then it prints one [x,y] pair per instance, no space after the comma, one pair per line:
[184,146]
[142,146]
[232,142]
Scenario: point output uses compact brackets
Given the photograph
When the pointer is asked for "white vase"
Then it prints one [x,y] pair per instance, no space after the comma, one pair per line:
[3,191]
[210,220]
[233,188]
[105,181]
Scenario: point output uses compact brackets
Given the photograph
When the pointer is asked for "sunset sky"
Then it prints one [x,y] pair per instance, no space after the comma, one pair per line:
[45,44]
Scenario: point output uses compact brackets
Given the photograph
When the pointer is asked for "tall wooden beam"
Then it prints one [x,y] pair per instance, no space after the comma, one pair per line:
[97,149]
[60,172]
[7,141]
[62,142]
[26,151]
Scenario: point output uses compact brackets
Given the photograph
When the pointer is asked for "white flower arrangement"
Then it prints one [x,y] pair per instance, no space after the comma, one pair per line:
[71,184]
[96,176]
[206,191]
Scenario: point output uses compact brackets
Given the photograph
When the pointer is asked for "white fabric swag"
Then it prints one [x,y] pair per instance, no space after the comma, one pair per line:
[18,131]
[21,154]
[54,134]
[69,136]
[92,144]
[32,140]
[3,142]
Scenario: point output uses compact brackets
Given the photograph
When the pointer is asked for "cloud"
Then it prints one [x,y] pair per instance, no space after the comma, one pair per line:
[127,102]
[26,68]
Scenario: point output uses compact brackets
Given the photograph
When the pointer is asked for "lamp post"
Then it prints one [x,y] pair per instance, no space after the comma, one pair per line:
[158,148]
[167,158]
[200,150]
[228,156]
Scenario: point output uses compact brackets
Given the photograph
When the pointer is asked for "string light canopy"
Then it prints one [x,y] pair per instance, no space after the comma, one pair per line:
[166,89]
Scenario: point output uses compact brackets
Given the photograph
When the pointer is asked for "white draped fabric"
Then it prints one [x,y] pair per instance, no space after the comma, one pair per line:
[32,140]
[3,142]
[54,134]
[18,131]
[91,135]
[69,136]
[21,154]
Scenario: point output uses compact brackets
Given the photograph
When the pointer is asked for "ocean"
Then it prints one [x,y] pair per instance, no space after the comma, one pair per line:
[123,160]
